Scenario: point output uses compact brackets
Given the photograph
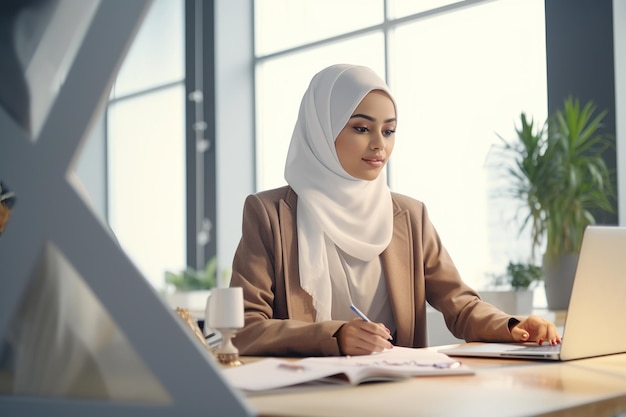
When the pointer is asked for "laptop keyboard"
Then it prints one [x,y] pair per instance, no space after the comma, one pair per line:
[541,349]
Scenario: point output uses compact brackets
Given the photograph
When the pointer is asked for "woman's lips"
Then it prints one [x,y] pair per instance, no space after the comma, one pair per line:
[375,161]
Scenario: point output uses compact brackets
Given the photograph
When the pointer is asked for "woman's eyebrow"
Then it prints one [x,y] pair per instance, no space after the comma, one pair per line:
[370,118]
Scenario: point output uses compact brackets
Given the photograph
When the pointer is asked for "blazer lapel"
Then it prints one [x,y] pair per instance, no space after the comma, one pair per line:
[397,262]
[299,302]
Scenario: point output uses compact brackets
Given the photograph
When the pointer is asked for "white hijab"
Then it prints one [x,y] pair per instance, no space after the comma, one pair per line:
[355,214]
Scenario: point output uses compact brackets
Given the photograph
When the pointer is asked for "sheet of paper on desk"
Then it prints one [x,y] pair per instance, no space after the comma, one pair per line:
[393,364]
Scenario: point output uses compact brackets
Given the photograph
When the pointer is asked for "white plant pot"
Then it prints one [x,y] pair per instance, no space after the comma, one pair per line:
[510,301]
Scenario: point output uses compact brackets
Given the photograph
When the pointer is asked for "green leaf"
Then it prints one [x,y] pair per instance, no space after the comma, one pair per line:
[558,175]
[191,280]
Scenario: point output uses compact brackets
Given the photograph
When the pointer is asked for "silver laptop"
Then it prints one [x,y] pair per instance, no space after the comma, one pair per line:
[594,324]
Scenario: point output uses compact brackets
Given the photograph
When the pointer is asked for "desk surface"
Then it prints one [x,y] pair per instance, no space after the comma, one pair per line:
[500,387]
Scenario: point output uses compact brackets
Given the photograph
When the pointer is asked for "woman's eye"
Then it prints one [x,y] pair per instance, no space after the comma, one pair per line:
[388,133]
[361,129]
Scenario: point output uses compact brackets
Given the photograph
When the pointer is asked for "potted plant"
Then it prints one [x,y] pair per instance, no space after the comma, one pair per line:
[561,180]
[190,288]
[513,290]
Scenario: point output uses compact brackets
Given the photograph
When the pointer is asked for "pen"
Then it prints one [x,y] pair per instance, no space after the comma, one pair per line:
[364,317]
[359,313]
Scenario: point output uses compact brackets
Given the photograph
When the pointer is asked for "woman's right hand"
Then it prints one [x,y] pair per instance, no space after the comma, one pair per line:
[358,337]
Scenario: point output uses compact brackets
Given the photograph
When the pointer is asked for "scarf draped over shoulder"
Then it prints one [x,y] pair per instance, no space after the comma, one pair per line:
[356,215]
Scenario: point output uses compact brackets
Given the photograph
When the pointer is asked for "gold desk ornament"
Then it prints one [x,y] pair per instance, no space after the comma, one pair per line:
[224,314]
[226,353]
[192,324]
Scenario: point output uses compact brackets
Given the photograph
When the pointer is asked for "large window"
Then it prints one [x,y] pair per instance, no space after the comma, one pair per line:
[146,145]
[462,72]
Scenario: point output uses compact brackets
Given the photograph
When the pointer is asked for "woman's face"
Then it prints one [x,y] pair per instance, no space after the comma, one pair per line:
[366,141]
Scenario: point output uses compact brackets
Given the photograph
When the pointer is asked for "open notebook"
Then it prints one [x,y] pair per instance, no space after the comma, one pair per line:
[594,323]
[272,374]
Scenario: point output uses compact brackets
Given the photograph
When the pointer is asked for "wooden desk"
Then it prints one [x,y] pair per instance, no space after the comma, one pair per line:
[500,388]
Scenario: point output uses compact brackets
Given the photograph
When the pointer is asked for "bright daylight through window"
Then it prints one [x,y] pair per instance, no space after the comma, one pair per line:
[461,73]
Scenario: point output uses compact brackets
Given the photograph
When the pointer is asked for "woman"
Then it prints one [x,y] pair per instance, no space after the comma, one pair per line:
[336,236]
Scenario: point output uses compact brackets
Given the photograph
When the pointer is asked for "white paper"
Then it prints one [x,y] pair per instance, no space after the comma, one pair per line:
[392,364]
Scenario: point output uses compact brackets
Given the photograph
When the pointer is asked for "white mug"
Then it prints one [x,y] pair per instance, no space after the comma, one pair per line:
[224,308]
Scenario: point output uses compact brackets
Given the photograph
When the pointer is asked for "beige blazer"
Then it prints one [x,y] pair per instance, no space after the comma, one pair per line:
[416,265]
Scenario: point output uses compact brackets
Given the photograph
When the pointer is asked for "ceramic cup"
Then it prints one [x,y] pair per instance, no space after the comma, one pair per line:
[224,308]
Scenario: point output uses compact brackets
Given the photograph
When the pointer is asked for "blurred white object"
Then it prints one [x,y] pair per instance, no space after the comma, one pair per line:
[64,343]
[224,313]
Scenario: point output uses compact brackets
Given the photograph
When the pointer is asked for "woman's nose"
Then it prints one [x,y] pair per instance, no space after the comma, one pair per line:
[377,142]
